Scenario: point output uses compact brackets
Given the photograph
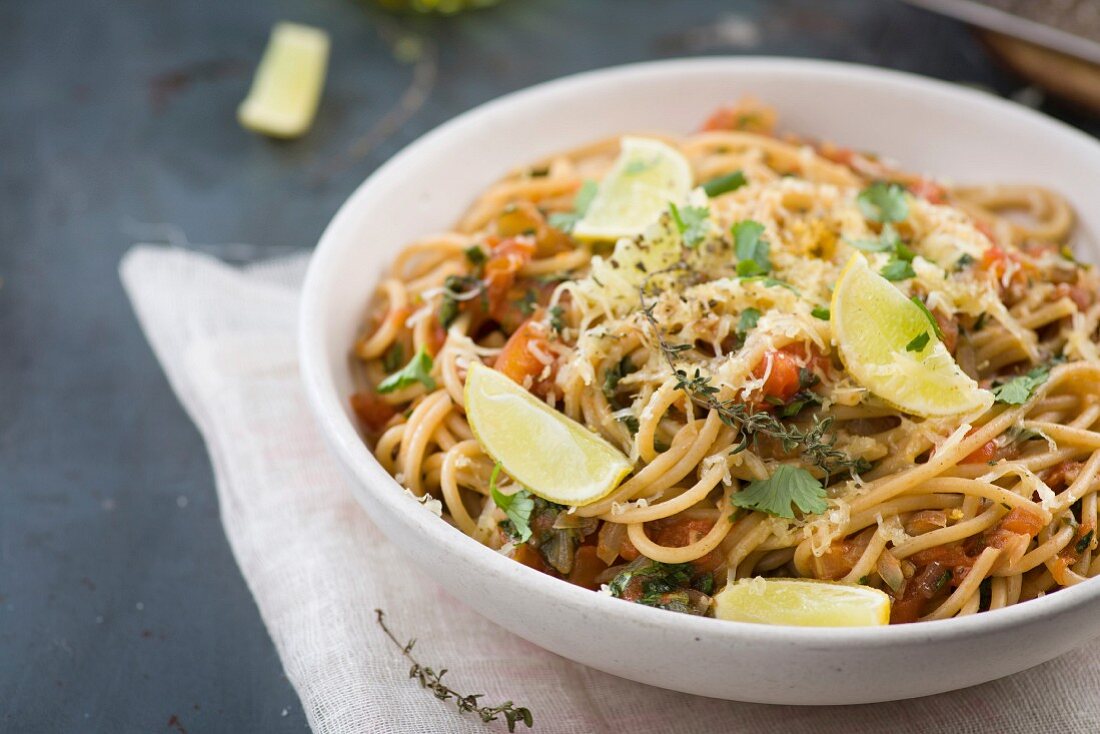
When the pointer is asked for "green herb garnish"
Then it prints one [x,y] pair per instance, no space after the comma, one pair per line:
[1019,390]
[393,357]
[724,184]
[417,370]
[748,321]
[820,312]
[788,486]
[753,253]
[565,221]
[557,314]
[433,681]
[920,341]
[691,221]
[928,315]
[517,507]
[896,270]
[884,202]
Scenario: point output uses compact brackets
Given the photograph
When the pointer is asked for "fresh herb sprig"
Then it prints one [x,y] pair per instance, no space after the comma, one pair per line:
[433,681]
[817,443]
[418,369]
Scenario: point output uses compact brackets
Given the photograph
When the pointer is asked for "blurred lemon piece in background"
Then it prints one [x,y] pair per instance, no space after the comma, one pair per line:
[287,87]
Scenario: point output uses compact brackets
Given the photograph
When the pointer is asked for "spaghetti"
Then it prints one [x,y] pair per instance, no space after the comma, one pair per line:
[710,379]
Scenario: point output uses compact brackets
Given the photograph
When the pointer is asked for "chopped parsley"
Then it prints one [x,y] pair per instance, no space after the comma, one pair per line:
[615,374]
[662,585]
[884,202]
[691,221]
[565,221]
[724,184]
[920,341]
[528,303]
[517,507]
[456,288]
[749,318]
[556,315]
[417,370]
[896,270]
[788,486]
[631,423]
[476,256]
[888,241]
[965,260]
[1019,390]
[1084,543]
[820,312]
[753,252]
[928,315]
[393,357]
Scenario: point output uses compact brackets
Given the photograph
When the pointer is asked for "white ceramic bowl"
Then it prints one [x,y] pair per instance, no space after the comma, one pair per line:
[927,126]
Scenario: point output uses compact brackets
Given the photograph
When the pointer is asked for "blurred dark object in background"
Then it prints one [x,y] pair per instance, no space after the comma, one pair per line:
[443,7]
[1054,43]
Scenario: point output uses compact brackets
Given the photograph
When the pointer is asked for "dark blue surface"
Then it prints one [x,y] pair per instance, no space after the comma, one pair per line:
[121,609]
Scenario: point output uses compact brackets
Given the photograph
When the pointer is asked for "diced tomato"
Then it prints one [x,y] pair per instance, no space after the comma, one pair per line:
[925,584]
[949,555]
[1081,297]
[998,262]
[928,190]
[523,218]
[508,256]
[586,567]
[784,375]
[372,411]
[747,115]
[678,532]
[627,551]
[1019,520]
[841,556]
[1063,475]
[437,336]
[981,455]
[531,558]
[517,361]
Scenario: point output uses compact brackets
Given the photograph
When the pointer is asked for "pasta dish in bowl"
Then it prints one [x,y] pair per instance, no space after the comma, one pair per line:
[737,371]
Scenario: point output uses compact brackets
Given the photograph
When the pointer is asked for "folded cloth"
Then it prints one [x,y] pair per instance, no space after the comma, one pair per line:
[318,568]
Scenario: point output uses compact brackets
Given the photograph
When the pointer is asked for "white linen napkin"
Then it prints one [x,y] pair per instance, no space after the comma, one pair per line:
[318,567]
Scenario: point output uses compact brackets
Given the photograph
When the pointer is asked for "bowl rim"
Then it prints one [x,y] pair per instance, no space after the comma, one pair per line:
[344,439]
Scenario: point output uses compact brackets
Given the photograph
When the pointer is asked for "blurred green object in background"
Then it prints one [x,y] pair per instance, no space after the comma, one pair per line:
[443,7]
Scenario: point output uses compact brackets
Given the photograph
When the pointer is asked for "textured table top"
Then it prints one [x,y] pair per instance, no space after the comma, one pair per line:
[121,608]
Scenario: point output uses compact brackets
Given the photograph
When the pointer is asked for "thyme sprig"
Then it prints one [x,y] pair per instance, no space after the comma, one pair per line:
[817,442]
[433,681]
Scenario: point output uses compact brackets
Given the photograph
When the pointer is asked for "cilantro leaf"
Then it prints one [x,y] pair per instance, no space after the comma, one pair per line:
[393,357]
[883,202]
[1019,390]
[888,241]
[724,184]
[748,321]
[517,507]
[557,314]
[752,251]
[928,315]
[896,270]
[475,255]
[770,283]
[691,221]
[565,221]
[787,486]
[417,370]
[920,341]
[820,312]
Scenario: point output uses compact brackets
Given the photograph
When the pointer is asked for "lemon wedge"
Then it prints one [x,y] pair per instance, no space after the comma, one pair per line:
[288,82]
[646,177]
[551,455]
[803,603]
[889,345]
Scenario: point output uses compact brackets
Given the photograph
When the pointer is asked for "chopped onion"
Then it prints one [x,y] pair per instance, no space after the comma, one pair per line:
[889,570]
[610,541]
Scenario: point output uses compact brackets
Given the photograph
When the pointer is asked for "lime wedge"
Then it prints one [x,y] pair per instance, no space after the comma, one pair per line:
[646,177]
[889,345]
[553,456]
[288,82]
[803,603]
